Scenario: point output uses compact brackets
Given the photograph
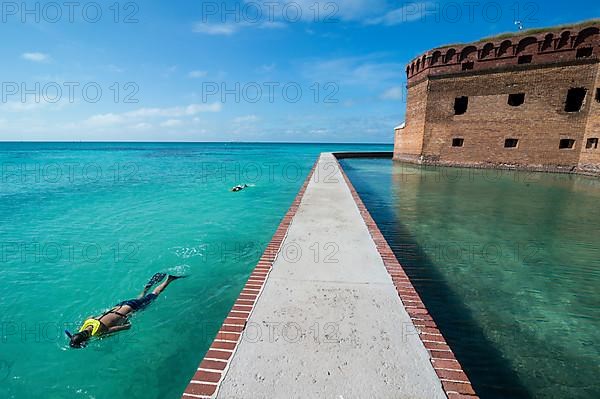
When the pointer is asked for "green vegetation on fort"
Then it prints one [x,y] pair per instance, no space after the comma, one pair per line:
[532,31]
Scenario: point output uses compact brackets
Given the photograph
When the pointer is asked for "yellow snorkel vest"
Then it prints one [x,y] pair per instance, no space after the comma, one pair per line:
[95,324]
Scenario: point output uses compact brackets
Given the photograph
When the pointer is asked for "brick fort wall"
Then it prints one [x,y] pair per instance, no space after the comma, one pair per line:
[527,102]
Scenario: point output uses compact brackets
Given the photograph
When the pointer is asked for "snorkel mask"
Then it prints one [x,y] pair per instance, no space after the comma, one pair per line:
[78,340]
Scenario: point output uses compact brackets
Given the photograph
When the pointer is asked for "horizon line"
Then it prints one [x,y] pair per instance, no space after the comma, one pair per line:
[190,142]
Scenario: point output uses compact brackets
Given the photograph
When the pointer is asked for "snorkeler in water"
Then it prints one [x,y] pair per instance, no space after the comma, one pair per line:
[239,187]
[117,318]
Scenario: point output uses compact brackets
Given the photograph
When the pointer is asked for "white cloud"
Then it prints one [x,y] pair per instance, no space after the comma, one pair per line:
[101,120]
[230,28]
[246,119]
[174,112]
[197,74]
[18,106]
[139,117]
[114,68]
[365,71]
[409,12]
[319,131]
[172,123]
[246,125]
[267,68]
[36,57]
[270,14]
[169,71]
[32,106]
[327,11]
[272,25]
[141,126]
[393,93]
[225,29]
[264,14]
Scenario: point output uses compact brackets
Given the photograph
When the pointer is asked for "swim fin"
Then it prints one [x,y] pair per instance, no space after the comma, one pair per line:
[157,278]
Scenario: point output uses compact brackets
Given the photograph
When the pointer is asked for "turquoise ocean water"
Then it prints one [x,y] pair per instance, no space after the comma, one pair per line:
[83,226]
[508,263]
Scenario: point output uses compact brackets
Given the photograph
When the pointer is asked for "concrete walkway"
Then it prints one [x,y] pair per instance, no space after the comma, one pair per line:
[329,322]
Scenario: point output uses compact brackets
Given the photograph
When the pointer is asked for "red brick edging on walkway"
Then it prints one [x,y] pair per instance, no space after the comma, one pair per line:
[454,381]
[214,366]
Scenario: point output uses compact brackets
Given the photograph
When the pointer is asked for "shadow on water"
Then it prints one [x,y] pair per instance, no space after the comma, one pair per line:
[490,373]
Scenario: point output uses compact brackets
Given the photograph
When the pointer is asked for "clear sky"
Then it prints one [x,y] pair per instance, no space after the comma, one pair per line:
[247,70]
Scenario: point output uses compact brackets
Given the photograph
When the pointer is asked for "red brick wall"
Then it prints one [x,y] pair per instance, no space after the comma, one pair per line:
[589,160]
[408,143]
[539,123]
[552,46]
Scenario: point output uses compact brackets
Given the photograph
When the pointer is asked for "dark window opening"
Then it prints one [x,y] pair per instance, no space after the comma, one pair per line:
[547,41]
[592,143]
[467,65]
[525,59]
[575,97]
[598,95]
[457,142]
[511,143]
[449,55]
[460,105]
[564,39]
[584,52]
[516,99]
[566,143]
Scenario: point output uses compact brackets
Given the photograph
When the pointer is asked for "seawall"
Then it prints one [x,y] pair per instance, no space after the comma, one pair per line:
[329,313]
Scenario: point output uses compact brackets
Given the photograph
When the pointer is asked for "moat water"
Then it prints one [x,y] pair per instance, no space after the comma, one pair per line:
[508,263]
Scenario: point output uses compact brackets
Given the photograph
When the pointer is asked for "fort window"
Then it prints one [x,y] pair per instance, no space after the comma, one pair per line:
[592,143]
[487,50]
[504,47]
[528,45]
[566,144]
[516,99]
[548,42]
[525,59]
[458,142]
[460,105]
[449,55]
[511,143]
[469,52]
[584,52]
[575,97]
[564,39]
[467,66]
[587,36]
[598,95]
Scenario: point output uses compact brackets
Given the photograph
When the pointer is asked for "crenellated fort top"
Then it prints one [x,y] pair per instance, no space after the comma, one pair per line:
[577,43]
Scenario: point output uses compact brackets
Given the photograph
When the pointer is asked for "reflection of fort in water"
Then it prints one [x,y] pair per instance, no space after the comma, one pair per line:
[411,175]
[470,236]
[441,198]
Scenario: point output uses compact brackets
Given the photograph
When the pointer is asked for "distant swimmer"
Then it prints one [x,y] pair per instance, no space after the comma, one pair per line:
[239,187]
[117,318]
